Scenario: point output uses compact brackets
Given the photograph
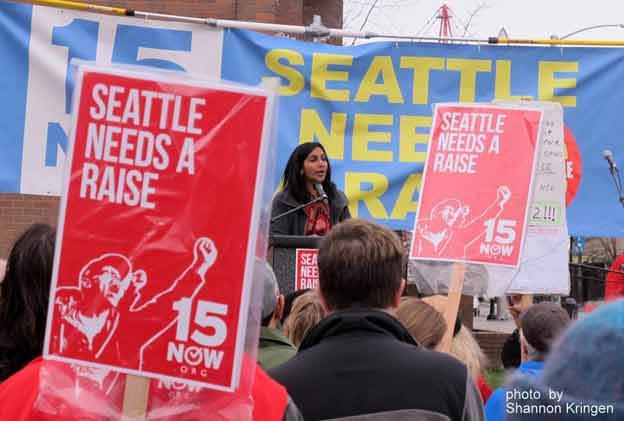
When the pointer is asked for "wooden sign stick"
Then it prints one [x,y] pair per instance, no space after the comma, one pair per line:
[136,394]
[452,305]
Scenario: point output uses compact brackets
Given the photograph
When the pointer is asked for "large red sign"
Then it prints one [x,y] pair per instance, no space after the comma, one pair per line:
[158,227]
[475,191]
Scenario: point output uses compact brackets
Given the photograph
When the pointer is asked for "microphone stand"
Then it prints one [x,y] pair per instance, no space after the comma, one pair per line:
[617,180]
[288,212]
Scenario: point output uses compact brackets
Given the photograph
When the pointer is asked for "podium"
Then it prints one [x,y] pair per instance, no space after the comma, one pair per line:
[283,257]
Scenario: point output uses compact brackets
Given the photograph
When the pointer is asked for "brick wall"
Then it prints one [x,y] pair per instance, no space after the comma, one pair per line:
[196,8]
[492,344]
[19,211]
[291,12]
[329,10]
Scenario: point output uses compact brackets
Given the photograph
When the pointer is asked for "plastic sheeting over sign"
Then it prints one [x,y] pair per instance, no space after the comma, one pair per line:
[543,266]
[147,279]
[478,177]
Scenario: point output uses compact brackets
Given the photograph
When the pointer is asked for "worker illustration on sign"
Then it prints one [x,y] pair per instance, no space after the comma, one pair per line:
[109,295]
[449,225]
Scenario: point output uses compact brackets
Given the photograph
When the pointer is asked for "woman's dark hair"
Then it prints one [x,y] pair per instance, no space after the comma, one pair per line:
[24,294]
[511,355]
[294,180]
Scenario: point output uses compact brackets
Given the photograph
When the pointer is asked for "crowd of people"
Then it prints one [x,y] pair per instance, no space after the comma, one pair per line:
[356,348]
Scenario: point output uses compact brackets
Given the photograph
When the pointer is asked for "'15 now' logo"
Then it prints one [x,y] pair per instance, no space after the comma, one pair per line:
[193,347]
[499,237]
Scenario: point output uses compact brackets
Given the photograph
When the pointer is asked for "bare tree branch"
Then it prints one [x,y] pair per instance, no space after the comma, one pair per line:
[370,10]
[429,23]
[609,247]
[475,12]
[351,17]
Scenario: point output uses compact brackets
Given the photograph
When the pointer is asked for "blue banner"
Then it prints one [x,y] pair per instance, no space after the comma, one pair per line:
[371,107]
[36,53]
[13,85]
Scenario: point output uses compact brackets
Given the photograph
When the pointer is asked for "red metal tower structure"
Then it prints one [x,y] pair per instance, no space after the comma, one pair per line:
[446,31]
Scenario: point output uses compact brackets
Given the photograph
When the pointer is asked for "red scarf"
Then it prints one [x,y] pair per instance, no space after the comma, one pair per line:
[318,222]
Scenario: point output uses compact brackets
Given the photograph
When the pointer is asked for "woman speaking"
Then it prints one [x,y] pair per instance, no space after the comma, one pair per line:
[308,177]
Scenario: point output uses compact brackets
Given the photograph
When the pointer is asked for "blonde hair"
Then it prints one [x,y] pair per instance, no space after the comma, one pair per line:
[464,346]
[422,321]
[438,302]
[306,312]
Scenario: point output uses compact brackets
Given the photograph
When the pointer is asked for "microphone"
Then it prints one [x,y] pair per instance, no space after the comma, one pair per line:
[608,155]
[321,191]
[615,174]
[322,197]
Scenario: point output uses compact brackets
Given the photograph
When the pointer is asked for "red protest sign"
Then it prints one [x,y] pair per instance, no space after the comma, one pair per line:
[306,269]
[158,227]
[476,186]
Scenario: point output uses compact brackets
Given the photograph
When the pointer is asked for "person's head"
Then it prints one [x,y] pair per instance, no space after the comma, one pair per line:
[464,346]
[541,324]
[24,293]
[272,301]
[109,275]
[360,264]
[422,321]
[438,302]
[289,301]
[306,312]
[308,165]
[585,365]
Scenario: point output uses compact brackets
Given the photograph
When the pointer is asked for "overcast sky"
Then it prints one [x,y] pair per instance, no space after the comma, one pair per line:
[520,18]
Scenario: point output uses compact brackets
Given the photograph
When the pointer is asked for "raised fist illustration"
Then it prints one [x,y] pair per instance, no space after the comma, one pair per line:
[503,194]
[139,279]
[205,250]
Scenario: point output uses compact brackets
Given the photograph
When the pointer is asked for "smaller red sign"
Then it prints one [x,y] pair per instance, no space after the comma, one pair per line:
[477,183]
[307,269]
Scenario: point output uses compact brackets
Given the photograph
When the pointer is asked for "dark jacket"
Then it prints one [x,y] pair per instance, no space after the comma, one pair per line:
[274,348]
[363,361]
[294,223]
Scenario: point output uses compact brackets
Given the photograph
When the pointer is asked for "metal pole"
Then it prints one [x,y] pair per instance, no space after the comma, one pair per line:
[580,285]
[65,4]
[314,30]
